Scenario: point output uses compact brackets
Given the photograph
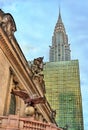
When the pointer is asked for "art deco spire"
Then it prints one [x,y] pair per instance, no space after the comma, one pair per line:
[59,18]
[59,25]
[60,49]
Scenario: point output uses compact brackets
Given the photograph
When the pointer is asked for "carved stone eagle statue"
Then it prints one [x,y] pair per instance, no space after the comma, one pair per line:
[27,100]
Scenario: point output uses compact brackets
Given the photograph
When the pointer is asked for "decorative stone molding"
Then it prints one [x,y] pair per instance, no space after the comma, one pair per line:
[13,58]
[17,62]
[7,22]
[38,76]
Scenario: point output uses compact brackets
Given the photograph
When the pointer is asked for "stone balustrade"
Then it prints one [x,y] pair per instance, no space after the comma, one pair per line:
[14,122]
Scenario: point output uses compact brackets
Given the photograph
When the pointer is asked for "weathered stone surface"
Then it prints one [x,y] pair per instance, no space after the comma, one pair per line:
[4,81]
[16,73]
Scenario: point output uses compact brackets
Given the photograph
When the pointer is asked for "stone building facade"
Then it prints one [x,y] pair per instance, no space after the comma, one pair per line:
[19,83]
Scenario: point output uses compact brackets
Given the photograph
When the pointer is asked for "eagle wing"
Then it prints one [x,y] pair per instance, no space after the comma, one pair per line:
[20,93]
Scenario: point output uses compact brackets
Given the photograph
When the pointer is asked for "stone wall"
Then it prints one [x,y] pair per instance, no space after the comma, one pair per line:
[4,81]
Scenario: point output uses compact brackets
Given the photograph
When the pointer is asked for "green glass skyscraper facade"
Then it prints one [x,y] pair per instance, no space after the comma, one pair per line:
[62,82]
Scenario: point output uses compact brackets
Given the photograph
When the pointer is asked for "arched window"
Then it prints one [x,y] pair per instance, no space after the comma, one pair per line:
[12,107]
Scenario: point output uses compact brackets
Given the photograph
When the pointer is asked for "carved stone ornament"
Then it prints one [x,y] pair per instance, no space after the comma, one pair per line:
[37,69]
[29,110]
[27,100]
[7,22]
[53,114]
[37,65]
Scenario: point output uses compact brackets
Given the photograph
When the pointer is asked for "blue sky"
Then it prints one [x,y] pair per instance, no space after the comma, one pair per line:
[35,21]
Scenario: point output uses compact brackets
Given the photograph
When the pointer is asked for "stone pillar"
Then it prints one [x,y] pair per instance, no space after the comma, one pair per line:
[4,81]
[8,99]
[36,116]
[40,117]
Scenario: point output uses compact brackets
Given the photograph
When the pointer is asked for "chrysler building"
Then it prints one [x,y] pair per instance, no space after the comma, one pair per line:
[60,49]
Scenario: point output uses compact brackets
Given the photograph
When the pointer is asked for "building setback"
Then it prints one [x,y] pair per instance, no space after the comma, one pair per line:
[62,81]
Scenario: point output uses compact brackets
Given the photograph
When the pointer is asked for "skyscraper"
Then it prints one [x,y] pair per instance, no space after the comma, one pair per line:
[60,49]
[62,79]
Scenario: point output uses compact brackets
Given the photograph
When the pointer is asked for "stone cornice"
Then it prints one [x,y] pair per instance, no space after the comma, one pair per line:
[16,62]
[21,69]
